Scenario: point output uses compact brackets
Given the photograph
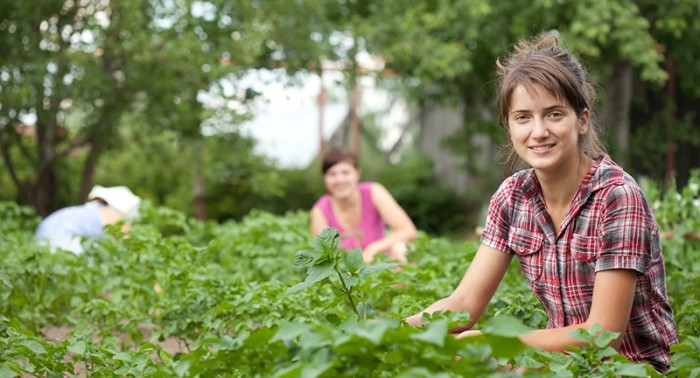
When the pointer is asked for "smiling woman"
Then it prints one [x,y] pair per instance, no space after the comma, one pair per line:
[361,211]
[583,232]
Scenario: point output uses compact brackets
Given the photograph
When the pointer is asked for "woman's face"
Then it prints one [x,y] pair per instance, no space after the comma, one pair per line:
[544,131]
[341,179]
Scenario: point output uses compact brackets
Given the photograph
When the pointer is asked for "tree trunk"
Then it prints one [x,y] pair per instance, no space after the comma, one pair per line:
[616,110]
[89,171]
[44,191]
[198,188]
[671,146]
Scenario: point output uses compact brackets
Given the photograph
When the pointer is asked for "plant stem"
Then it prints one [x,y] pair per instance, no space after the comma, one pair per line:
[347,293]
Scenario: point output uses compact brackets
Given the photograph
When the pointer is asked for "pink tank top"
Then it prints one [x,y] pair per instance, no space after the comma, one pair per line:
[371,227]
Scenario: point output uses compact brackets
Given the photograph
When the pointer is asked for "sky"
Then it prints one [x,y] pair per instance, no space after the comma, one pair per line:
[286,124]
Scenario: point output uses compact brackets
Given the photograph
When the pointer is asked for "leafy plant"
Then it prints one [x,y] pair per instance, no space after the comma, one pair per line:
[325,261]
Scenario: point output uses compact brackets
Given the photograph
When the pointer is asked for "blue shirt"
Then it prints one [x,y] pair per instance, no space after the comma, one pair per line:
[71,223]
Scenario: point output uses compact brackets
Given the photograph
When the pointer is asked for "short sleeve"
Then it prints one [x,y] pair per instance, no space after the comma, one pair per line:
[629,230]
[498,220]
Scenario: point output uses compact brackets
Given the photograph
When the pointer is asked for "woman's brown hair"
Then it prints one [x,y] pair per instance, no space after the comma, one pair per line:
[335,156]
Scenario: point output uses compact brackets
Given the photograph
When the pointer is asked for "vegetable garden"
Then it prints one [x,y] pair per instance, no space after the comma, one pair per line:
[258,298]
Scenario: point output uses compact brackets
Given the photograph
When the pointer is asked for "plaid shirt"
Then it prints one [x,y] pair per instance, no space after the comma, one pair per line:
[610,226]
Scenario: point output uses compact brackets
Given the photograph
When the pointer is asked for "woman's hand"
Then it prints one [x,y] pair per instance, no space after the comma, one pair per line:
[414,320]
[470,333]
[369,252]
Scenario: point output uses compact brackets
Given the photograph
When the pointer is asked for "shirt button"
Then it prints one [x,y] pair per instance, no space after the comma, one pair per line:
[522,248]
[578,255]
[555,282]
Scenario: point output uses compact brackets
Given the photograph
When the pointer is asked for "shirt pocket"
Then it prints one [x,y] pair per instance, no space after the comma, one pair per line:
[584,250]
[527,245]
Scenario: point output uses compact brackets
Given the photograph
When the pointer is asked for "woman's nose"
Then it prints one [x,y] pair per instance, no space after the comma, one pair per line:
[539,128]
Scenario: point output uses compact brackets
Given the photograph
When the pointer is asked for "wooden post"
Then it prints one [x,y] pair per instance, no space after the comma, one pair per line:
[321,106]
[354,118]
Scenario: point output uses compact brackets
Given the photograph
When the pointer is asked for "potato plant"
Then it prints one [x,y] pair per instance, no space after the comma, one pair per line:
[260,298]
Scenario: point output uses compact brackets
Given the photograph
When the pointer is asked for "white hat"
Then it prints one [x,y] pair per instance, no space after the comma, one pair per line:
[118,197]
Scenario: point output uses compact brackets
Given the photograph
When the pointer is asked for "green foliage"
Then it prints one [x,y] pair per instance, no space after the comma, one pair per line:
[678,214]
[325,260]
[260,298]
[595,359]
[686,358]
[433,209]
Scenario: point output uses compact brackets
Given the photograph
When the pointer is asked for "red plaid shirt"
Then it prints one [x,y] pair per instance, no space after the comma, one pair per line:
[610,226]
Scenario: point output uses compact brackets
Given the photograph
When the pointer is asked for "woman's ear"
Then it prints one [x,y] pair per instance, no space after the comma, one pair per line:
[583,122]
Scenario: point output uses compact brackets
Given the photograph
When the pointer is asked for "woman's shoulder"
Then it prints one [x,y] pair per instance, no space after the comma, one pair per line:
[322,202]
[368,185]
[523,181]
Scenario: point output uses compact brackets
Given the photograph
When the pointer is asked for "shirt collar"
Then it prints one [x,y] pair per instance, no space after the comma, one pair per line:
[603,173]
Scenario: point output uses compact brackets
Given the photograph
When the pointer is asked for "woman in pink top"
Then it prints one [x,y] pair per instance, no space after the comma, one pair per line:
[360,211]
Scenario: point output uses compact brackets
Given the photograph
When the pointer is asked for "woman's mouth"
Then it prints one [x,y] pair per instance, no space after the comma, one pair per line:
[542,148]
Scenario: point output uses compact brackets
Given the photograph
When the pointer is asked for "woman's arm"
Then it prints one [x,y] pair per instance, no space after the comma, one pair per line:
[318,221]
[402,228]
[613,295]
[476,288]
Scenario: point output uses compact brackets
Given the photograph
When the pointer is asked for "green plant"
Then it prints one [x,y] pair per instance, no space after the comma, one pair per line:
[328,264]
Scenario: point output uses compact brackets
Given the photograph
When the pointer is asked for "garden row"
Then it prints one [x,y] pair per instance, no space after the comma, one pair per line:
[258,298]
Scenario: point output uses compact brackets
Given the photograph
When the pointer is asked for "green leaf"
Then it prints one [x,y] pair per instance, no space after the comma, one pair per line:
[603,339]
[289,330]
[147,347]
[372,331]
[529,363]
[78,347]
[314,274]
[6,372]
[354,260]
[326,241]
[34,346]
[122,356]
[5,281]
[507,347]
[166,357]
[291,371]
[435,334]
[582,335]
[304,258]
[315,369]
[364,310]
[333,318]
[631,370]
[376,268]
[506,326]
[320,271]
[605,352]
[182,367]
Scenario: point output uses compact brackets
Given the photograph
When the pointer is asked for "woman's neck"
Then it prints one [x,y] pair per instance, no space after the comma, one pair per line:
[559,188]
[349,201]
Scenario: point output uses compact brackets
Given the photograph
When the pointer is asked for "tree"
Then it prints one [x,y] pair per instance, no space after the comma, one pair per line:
[72,73]
[446,52]
[78,67]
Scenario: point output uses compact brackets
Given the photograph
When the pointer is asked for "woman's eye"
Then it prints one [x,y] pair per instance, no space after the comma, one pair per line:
[555,114]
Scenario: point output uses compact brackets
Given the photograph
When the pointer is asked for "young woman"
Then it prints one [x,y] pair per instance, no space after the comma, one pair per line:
[360,211]
[583,232]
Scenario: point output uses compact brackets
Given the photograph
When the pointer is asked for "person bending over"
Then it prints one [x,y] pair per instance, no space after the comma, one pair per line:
[65,228]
